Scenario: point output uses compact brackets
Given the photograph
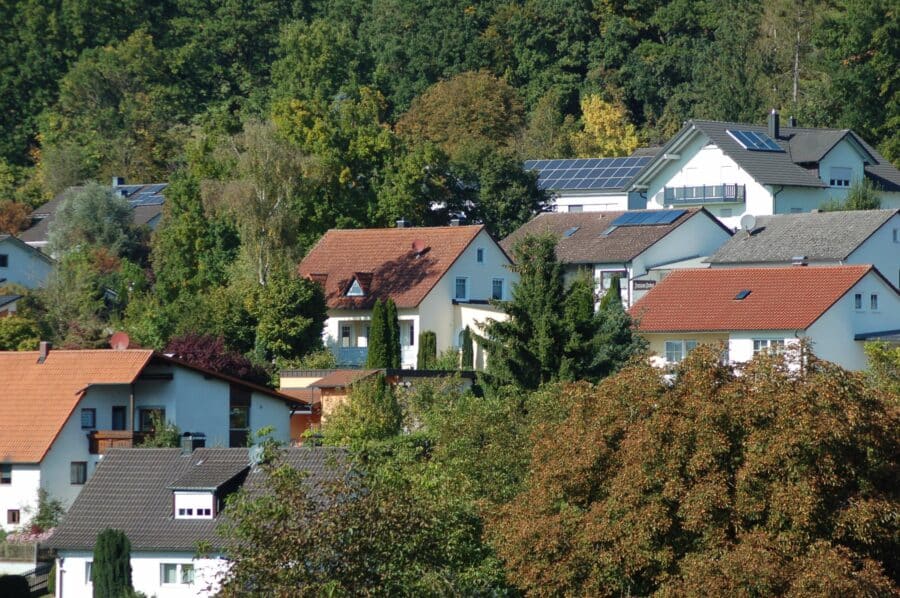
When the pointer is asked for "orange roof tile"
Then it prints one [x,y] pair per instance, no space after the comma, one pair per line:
[385,262]
[38,398]
[789,298]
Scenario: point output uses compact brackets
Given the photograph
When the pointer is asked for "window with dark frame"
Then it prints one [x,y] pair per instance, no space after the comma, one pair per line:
[857,301]
[89,572]
[238,417]
[479,255]
[461,289]
[4,260]
[146,415]
[6,473]
[88,418]
[119,417]
[78,473]
[497,289]
[12,517]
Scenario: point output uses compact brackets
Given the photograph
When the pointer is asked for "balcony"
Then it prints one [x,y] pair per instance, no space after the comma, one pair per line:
[705,194]
[100,441]
[352,356]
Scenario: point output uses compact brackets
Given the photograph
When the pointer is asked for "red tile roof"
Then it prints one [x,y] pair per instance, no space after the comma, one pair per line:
[385,262]
[789,298]
[38,398]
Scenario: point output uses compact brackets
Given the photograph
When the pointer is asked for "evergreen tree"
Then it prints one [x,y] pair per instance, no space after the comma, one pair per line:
[112,565]
[613,294]
[581,325]
[526,348]
[616,342]
[392,325]
[468,353]
[427,350]
[377,356]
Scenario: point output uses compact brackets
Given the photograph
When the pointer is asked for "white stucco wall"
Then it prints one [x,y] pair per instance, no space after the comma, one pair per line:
[146,575]
[590,202]
[20,494]
[24,267]
[882,250]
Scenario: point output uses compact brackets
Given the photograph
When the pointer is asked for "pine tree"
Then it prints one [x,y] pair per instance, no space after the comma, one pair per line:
[112,565]
[613,293]
[377,356]
[427,350]
[468,353]
[392,325]
[581,324]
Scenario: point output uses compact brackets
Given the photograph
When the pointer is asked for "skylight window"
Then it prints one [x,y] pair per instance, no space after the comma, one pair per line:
[571,231]
[742,295]
[355,290]
[755,142]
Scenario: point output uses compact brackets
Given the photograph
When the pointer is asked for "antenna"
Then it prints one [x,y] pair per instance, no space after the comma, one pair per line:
[748,222]
[119,341]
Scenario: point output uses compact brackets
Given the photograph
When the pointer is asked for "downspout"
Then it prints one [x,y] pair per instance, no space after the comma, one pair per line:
[131,411]
[774,197]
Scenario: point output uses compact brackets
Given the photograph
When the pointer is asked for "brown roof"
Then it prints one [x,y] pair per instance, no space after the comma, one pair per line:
[342,378]
[385,262]
[37,399]
[593,241]
[790,298]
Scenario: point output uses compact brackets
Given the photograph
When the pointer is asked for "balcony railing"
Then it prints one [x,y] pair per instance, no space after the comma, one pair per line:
[705,194]
[100,441]
[355,356]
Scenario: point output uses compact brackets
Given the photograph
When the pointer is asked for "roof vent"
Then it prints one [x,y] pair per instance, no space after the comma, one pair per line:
[742,295]
[401,223]
[799,260]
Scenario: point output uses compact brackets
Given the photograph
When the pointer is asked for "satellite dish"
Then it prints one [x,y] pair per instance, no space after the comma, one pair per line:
[748,222]
[418,245]
[119,341]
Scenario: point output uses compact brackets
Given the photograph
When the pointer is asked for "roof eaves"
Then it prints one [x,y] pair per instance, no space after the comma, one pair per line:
[456,259]
[847,290]
[655,164]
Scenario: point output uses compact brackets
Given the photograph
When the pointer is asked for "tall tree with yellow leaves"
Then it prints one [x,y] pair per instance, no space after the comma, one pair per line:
[607,131]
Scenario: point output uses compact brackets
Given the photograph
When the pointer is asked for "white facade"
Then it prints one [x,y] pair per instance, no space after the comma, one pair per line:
[160,574]
[565,200]
[440,311]
[23,265]
[698,162]
[191,400]
[831,335]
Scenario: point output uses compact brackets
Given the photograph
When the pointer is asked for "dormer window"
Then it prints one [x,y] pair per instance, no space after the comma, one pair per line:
[194,504]
[355,290]
[839,176]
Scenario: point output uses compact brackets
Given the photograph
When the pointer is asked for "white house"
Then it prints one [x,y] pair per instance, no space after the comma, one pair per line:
[166,501]
[23,265]
[816,239]
[639,247]
[734,169]
[592,184]
[441,278]
[60,411]
[836,308]
[146,201]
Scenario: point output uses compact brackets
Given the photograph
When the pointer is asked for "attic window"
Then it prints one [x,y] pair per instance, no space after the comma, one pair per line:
[355,289]
[742,295]
[571,231]
[840,176]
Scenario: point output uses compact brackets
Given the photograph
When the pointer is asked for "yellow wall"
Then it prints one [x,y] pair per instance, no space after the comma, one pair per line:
[658,341]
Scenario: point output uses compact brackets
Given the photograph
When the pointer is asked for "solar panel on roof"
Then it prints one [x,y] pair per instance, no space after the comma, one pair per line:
[647,218]
[753,141]
[585,173]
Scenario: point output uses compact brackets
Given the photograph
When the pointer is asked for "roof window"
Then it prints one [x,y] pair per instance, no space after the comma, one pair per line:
[571,231]
[355,289]
[742,295]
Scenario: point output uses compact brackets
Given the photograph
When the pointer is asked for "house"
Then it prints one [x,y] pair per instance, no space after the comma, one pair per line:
[167,501]
[592,184]
[22,264]
[441,278]
[837,308]
[817,238]
[638,247]
[734,169]
[8,304]
[61,411]
[146,203]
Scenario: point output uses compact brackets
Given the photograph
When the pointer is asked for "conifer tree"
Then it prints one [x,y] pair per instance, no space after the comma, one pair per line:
[377,356]
[392,325]
[613,293]
[468,354]
[112,565]
[427,355]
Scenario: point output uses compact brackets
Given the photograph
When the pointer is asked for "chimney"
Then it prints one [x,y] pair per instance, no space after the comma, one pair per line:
[401,223]
[774,124]
[191,441]
[118,181]
[43,351]
[792,122]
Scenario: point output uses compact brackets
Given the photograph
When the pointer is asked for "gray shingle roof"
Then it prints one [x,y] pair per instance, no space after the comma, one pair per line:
[590,244]
[130,491]
[797,165]
[820,236]
[212,470]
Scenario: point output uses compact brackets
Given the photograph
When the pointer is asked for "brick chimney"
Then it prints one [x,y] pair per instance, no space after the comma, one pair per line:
[43,351]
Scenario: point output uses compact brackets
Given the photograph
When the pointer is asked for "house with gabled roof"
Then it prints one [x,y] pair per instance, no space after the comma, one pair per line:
[167,502]
[734,169]
[22,264]
[146,201]
[61,411]
[639,247]
[441,278]
[836,308]
[815,239]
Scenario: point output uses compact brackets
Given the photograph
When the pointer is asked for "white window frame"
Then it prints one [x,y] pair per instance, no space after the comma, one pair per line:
[88,572]
[494,281]
[355,289]
[768,344]
[180,569]
[349,336]
[873,301]
[683,348]
[465,282]
[576,208]
[91,414]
